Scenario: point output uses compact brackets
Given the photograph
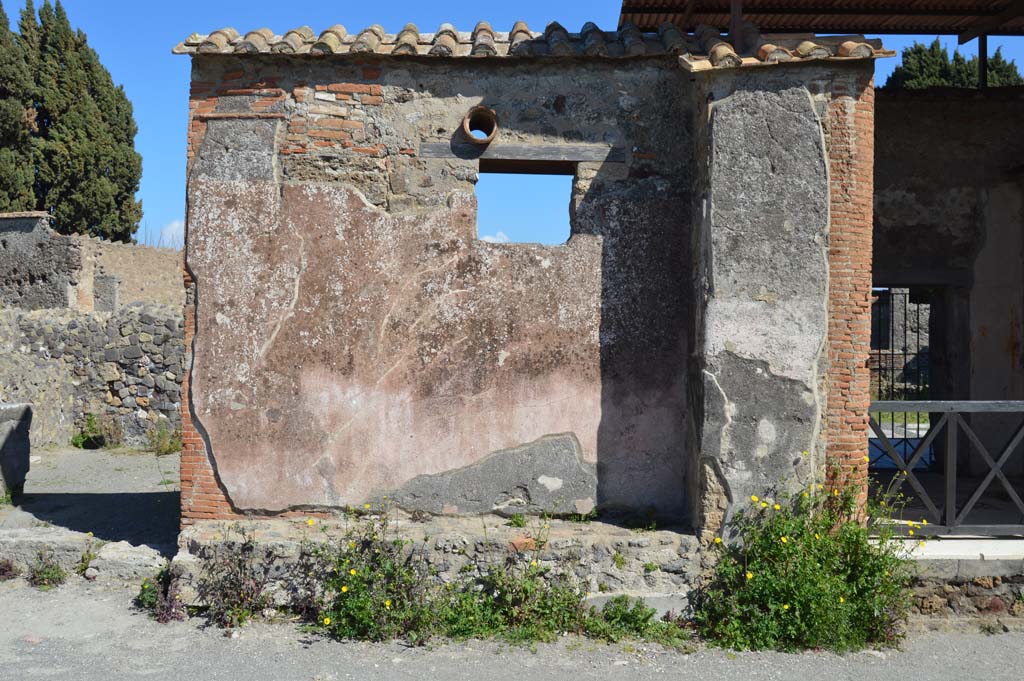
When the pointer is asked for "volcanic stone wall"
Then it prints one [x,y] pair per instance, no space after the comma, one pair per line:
[123,368]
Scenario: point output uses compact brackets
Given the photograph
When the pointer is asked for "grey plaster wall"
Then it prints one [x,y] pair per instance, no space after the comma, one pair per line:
[38,268]
[761,288]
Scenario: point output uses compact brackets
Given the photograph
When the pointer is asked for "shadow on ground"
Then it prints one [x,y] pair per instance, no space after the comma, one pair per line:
[149,518]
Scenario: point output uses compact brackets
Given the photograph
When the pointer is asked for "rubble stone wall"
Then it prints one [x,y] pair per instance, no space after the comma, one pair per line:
[124,367]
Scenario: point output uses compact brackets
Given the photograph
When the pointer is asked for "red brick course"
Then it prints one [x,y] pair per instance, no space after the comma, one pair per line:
[851,142]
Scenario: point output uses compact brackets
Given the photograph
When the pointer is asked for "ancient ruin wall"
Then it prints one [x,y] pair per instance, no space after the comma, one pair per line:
[144,274]
[949,220]
[125,368]
[782,259]
[353,338]
[38,268]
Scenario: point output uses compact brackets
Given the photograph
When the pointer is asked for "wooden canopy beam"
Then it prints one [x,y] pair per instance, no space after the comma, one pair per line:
[992,24]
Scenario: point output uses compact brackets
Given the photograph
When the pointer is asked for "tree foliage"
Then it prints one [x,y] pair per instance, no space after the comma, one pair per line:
[73,154]
[16,123]
[925,66]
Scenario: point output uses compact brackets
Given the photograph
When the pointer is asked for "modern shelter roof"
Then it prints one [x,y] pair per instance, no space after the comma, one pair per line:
[965,18]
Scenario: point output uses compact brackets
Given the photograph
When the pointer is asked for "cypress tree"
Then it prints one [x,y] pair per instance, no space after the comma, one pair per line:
[87,169]
[16,123]
[929,66]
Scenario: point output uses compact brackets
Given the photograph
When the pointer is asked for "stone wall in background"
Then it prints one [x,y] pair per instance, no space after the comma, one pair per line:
[89,327]
[38,267]
[143,273]
[123,367]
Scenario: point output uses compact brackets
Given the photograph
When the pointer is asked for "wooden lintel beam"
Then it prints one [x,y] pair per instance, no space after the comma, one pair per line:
[991,24]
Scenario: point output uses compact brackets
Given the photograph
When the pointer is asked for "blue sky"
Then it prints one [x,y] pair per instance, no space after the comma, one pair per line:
[134,39]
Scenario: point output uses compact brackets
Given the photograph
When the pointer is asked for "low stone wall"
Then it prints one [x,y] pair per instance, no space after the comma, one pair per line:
[980,596]
[124,367]
[606,560]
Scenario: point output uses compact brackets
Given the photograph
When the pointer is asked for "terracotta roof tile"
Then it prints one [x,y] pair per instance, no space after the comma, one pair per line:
[706,48]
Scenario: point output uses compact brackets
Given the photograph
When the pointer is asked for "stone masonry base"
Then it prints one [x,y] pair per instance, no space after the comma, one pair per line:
[659,565]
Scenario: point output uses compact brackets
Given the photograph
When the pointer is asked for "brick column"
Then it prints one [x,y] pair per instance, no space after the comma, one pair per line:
[201,494]
[851,143]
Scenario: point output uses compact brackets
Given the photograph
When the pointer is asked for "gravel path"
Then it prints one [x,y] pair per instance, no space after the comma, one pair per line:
[88,632]
[118,495]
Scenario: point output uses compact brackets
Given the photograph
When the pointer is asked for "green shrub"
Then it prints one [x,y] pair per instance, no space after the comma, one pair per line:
[161,597]
[162,440]
[368,586]
[45,573]
[88,556]
[234,579]
[517,520]
[90,436]
[803,572]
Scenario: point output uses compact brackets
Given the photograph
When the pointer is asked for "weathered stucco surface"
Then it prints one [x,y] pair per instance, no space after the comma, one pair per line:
[764,287]
[352,334]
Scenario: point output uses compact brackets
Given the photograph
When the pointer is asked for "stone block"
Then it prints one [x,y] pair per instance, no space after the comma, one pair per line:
[15,446]
[547,475]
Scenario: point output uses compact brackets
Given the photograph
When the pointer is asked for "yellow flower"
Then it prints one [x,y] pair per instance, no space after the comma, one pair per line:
[835,493]
[753,497]
[804,453]
[88,534]
[311,522]
[783,540]
[764,504]
[352,571]
[805,494]
[882,504]
[344,589]
[777,507]
[867,459]
[910,532]
[750,575]
[387,604]
[718,540]
[924,521]
[817,536]
[327,621]
[366,506]
[921,544]
[821,486]
[533,563]
[785,606]
[351,544]
[842,600]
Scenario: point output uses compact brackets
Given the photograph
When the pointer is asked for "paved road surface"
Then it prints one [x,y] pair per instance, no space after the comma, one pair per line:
[87,632]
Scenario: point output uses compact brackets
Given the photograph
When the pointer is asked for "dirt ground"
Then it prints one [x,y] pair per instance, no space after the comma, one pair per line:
[118,495]
[90,632]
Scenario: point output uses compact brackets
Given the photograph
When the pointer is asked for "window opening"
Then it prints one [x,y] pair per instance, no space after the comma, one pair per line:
[516,206]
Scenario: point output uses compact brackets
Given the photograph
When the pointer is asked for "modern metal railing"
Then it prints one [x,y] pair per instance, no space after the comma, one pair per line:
[947,516]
